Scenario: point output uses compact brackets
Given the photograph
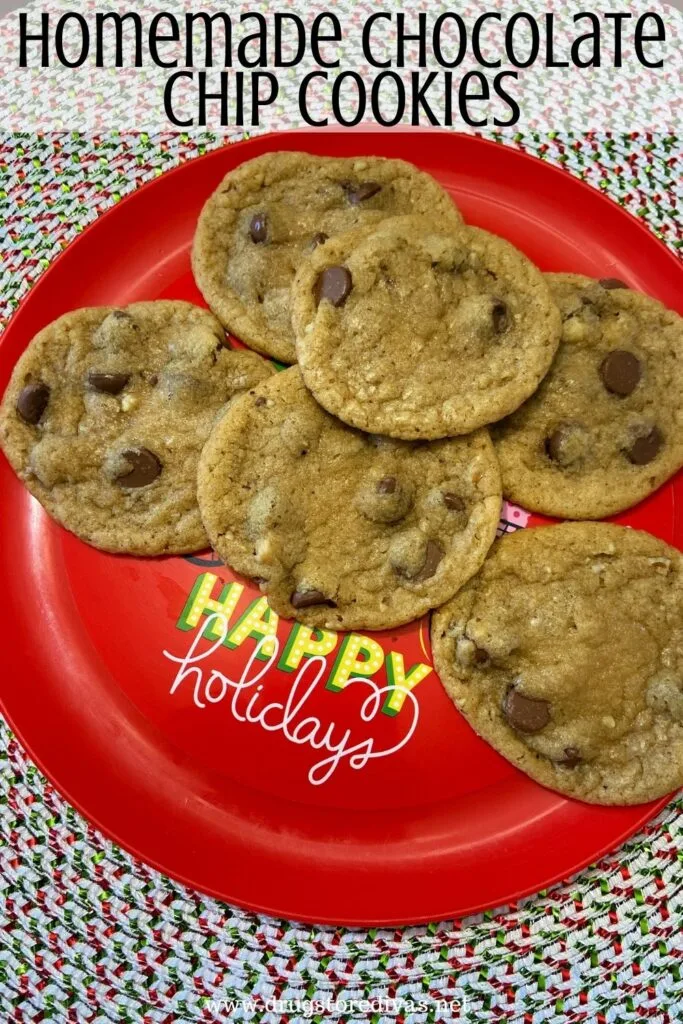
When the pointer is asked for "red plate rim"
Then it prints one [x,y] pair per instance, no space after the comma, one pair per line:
[285,137]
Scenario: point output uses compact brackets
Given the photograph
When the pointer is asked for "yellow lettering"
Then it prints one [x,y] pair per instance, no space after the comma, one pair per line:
[358,656]
[201,603]
[304,642]
[257,622]
[401,684]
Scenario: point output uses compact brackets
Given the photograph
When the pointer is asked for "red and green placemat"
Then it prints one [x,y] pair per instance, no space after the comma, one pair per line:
[87,933]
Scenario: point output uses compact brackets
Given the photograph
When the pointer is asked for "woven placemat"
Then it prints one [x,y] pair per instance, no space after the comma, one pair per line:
[88,933]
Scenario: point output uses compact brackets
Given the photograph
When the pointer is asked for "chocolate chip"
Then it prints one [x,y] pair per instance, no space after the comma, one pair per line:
[359,193]
[32,402]
[110,383]
[153,380]
[620,371]
[308,598]
[480,656]
[499,316]
[566,443]
[453,502]
[389,500]
[318,239]
[258,228]
[334,284]
[260,401]
[433,556]
[121,314]
[467,654]
[571,758]
[145,467]
[646,447]
[525,714]
[553,444]
[612,283]
[555,441]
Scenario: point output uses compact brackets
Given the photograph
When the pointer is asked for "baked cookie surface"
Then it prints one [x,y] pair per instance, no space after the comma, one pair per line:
[270,211]
[415,329]
[106,413]
[565,653]
[342,529]
[605,428]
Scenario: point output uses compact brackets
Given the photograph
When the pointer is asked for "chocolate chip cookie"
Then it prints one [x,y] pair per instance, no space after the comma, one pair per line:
[270,211]
[342,529]
[605,428]
[415,329]
[565,653]
[106,413]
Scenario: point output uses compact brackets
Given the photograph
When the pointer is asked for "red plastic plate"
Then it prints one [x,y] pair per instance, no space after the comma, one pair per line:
[333,804]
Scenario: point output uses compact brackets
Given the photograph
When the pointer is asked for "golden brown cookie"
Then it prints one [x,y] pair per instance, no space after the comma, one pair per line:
[605,428]
[107,411]
[565,653]
[269,212]
[342,529]
[415,328]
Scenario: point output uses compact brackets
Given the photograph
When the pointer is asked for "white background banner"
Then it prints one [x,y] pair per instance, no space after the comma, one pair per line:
[478,65]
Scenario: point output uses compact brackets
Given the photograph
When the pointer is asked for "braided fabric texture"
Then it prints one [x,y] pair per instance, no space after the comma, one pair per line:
[89,934]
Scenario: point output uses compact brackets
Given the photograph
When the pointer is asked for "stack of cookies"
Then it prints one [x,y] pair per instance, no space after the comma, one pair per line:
[362,486]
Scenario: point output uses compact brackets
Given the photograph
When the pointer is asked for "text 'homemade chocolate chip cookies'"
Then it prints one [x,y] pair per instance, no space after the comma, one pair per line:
[605,428]
[106,414]
[565,653]
[416,328]
[343,529]
[269,212]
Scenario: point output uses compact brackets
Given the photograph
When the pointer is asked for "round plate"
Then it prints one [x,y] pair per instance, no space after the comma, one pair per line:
[282,787]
